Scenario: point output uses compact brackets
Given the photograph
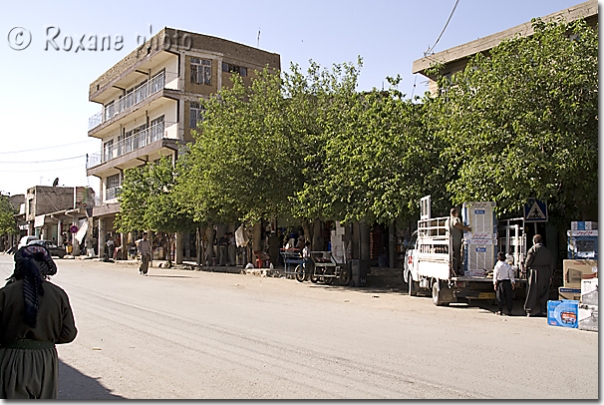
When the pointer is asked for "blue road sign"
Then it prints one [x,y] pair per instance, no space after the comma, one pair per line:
[535,211]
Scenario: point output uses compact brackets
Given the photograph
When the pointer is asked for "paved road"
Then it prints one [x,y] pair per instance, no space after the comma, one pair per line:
[190,334]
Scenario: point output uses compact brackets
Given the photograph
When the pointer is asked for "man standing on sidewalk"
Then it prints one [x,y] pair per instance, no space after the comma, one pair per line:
[540,264]
[144,249]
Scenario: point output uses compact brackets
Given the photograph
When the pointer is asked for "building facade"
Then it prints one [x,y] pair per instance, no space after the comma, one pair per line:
[150,104]
[51,213]
[455,59]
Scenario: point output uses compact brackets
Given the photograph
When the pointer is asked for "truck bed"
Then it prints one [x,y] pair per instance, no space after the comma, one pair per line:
[480,279]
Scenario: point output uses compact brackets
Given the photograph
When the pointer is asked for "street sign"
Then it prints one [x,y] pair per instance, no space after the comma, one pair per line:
[73,229]
[535,211]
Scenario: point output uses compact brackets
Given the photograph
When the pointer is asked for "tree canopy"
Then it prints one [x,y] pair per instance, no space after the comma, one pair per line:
[147,200]
[522,121]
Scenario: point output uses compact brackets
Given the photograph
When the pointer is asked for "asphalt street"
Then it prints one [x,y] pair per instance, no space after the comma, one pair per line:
[184,334]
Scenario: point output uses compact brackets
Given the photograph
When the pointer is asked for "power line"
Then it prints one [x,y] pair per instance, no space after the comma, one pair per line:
[38,170]
[44,161]
[44,148]
[443,31]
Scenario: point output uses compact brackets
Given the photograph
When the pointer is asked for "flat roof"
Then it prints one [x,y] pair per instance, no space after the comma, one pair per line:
[582,10]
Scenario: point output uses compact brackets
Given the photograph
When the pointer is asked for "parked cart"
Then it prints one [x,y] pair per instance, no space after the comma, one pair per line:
[293,263]
[326,268]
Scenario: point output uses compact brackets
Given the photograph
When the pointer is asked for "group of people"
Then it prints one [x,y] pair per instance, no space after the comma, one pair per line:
[540,265]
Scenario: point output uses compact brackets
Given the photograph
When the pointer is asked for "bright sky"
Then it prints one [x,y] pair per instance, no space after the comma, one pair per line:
[45,109]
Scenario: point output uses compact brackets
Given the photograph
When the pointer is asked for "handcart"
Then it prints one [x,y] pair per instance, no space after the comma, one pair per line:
[292,258]
[326,268]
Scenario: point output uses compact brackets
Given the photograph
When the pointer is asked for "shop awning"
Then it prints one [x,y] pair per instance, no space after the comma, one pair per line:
[82,232]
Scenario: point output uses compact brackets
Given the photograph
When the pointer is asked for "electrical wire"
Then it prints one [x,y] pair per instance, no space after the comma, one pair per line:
[443,30]
[38,170]
[44,161]
[44,148]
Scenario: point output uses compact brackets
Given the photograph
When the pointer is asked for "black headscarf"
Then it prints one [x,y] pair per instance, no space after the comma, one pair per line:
[33,265]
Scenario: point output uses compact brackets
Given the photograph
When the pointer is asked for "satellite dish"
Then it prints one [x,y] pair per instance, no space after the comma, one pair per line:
[56,182]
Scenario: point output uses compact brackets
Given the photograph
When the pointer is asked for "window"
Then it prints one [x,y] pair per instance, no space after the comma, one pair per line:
[195,115]
[201,71]
[227,67]
[139,136]
[157,128]
[109,111]
[140,92]
[113,181]
[112,187]
[108,150]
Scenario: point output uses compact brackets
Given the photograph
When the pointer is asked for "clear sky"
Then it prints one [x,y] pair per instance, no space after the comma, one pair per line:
[44,108]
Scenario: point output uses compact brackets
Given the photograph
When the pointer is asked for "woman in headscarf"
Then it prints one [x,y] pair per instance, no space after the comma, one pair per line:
[34,316]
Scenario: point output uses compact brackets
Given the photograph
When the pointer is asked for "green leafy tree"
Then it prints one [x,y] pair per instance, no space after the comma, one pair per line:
[522,122]
[147,201]
[8,224]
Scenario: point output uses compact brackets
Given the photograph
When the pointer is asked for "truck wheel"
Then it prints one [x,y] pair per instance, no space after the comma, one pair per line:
[412,288]
[344,277]
[437,295]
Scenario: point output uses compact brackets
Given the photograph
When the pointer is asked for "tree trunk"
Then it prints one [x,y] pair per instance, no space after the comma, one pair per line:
[199,247]
[170,238]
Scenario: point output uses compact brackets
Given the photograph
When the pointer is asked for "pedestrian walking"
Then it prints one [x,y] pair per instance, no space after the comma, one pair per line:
[540,264]
[144,249]
[35,315]
[503,283]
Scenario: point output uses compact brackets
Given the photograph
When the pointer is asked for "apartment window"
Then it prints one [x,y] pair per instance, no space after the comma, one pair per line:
[201,71]
[113,181]
[109,111]
[108,150]
[227,67]
[140,92]
[158,82]
[112,187]
[139,136]
[195,114]
[157,128]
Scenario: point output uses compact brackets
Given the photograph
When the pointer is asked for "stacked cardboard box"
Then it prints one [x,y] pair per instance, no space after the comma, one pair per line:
[574,270]
[563,313]
[582,244]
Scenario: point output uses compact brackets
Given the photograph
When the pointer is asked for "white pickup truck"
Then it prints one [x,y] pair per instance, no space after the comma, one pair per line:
[428,267]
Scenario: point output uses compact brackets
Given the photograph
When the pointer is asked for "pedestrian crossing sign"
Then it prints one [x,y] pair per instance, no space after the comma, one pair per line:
[535,211]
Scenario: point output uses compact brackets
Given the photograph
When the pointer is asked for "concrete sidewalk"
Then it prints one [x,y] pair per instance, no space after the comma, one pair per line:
[378,277]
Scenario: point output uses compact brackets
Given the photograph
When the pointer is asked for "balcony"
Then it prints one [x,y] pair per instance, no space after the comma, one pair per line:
[164,80]
[112,193]
[112,150]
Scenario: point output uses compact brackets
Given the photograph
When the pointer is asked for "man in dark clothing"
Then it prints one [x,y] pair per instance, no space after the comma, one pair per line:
[540,265]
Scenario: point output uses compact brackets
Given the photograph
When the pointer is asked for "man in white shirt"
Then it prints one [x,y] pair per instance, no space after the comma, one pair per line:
[503,283]
[307,259]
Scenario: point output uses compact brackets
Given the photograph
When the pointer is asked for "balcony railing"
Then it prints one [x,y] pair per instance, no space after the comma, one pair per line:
[112,193]
[164,80]
[143,138]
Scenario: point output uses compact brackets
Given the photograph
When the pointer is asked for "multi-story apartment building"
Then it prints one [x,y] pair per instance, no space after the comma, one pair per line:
[150,104]
[455,59]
